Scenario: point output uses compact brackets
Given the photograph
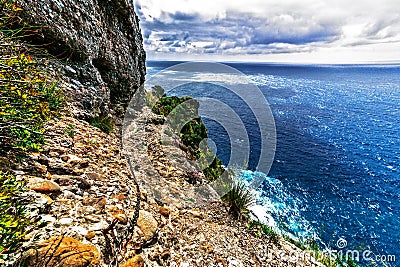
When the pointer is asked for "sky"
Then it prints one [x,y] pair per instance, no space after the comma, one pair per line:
[293,31]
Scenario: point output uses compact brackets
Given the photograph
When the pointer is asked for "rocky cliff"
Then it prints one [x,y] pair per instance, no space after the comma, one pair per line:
[100,39]
[80,187]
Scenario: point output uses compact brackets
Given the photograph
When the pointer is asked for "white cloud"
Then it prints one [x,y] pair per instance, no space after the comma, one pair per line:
[273,29]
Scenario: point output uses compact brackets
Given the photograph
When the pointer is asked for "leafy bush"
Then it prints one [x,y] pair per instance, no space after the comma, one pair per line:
[8,11]
[27,100]
[166,104]
[185,111]
[214,170]
[15,222]
[183,117]
[193,133]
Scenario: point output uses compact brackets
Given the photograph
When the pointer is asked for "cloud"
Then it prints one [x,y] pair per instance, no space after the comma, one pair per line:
[265,27]
[382,29]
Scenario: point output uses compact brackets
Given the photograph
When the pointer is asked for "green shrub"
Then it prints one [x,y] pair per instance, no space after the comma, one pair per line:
[184,119]
[15,221]
[193,133]
[183,113]
[28,97]
[214,170]
[265,230]
[103,122]
[8,11]
[270,233]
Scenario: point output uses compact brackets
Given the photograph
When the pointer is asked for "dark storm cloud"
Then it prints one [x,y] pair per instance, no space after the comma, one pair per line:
[237,31]
[289,30]
[180,16]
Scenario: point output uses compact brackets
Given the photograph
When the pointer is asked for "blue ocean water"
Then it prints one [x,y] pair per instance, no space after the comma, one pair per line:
[336,171]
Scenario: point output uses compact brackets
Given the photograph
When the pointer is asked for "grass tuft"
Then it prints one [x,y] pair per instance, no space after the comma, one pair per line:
[264,230]
[238,198]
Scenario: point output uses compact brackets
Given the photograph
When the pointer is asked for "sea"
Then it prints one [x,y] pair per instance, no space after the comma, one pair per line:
[335,175]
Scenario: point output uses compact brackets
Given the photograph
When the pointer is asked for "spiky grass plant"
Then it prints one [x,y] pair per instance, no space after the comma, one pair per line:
[238,198]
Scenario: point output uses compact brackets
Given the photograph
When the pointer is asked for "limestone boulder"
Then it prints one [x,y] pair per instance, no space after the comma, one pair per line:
[62,251]
[147,224]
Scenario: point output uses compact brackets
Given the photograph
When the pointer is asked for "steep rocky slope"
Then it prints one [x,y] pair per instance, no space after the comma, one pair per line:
[84,191]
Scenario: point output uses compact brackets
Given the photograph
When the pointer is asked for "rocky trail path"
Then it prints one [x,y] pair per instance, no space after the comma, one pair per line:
[83,191]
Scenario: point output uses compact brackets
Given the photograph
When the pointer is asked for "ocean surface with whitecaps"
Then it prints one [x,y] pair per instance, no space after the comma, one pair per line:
[336,171]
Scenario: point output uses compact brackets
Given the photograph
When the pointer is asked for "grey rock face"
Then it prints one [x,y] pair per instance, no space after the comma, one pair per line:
[101,39]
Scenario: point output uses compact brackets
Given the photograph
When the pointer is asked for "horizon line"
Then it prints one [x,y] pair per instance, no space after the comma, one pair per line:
[391,63]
